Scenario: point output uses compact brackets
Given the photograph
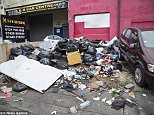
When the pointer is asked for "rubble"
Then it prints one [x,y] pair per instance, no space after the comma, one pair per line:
[73,109]
[18,87]
[18,100]
[6,89]
[70,64]
[23,92]
[5,96]
[128,86]
[104,100]
[144,95]
[54,113]
[96,98]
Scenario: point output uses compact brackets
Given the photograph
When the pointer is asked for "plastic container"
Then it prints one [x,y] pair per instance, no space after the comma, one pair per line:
[73,109]
[84,104]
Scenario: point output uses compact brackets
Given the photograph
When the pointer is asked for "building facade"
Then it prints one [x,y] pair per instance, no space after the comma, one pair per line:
[94,19]
[104,19]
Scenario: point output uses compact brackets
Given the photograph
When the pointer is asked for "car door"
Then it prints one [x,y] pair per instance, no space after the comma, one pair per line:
[124,46]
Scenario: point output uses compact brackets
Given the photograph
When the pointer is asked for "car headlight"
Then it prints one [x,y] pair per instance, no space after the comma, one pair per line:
[151,68]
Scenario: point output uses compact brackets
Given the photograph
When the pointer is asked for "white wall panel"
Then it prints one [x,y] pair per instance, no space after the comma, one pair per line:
[94,20]
[80,18]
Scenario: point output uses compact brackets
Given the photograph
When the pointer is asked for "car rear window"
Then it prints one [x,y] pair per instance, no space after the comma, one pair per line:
[148,38]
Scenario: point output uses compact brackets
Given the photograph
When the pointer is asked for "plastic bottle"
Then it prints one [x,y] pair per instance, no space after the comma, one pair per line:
[84,104]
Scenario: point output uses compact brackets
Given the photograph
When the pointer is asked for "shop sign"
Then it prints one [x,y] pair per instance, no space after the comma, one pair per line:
[38,7]
[13,29]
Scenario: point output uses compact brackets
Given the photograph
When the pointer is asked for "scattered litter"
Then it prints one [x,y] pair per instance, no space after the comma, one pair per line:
[82,64]
[36,52]
[100,83]
[74,85]
[68,74]
[112,79]
[17,100]
[131,94]
[82,86]
[74,58]
[96,98]
[23,92]
[121,102]
[80,99]
[54,113]
[104,100]
[109,102]
[93,86]
[99,50]
[118,104]
[18,87]
[114,90]
[140,108]
[85,104]
[128,86]
[73,109]
[5,96]
[144,95]
[82,94]
[130,103]
[68,87]
[55,89]
[111,42]
[127,90]
[6,89]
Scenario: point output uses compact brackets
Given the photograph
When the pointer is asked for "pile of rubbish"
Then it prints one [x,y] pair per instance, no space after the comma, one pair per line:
[92,53]
[83,64]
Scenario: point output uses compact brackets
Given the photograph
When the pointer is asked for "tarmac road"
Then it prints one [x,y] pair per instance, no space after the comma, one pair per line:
[145,103]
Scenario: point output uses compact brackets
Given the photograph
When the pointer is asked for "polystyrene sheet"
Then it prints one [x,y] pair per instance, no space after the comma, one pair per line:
[30,72]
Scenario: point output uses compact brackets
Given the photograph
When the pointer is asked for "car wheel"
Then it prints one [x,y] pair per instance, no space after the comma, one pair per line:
[139,76]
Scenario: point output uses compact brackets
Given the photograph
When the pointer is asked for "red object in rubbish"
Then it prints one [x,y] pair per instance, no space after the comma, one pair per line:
[5,96]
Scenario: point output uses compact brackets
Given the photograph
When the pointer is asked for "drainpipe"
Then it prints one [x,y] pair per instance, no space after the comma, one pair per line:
[118,19]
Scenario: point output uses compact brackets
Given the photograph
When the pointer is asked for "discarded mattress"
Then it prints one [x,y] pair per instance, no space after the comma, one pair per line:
[30,72]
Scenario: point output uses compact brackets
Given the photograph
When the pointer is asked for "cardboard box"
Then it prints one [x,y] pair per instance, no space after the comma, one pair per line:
[74,58]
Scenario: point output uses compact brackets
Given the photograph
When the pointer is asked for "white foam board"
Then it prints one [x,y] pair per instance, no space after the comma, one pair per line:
[30,72]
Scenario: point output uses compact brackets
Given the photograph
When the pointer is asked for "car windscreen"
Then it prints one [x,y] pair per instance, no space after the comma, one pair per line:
[148,38]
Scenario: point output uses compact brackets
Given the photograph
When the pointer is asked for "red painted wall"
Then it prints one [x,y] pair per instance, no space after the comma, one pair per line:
[137,13]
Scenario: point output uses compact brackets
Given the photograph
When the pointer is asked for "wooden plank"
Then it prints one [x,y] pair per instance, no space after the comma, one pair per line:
[2,53]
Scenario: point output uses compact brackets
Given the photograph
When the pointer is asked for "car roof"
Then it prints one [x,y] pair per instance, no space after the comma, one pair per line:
[146,29]
[141,29]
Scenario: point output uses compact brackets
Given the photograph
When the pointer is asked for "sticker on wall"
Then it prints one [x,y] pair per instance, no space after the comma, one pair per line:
[58,31]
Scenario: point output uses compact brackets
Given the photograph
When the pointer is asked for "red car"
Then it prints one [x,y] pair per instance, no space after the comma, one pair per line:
[137,45]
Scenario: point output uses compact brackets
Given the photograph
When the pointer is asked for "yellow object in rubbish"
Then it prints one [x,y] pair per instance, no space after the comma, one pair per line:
[74,58]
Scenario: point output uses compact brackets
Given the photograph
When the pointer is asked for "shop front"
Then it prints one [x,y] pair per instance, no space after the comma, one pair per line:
[42,19]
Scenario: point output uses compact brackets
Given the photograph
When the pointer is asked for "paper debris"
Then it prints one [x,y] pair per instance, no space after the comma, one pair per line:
[128,86]
[96,98]
[104,100]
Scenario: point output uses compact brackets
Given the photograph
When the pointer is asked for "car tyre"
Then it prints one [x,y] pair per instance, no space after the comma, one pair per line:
[139,76]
